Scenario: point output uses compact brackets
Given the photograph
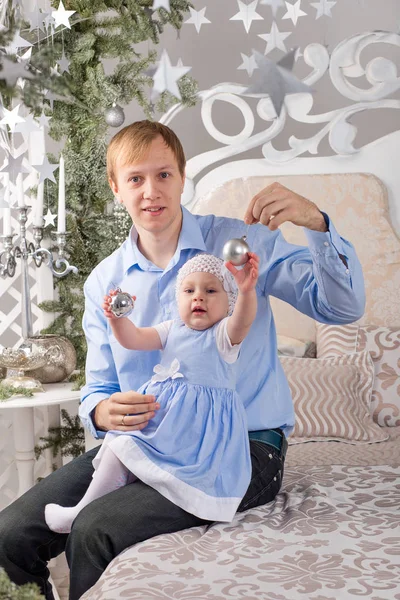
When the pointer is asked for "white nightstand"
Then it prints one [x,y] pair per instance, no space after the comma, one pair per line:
[53,397]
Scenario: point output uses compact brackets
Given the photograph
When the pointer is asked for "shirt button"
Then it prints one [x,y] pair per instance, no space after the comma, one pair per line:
[326,243]
[347,271]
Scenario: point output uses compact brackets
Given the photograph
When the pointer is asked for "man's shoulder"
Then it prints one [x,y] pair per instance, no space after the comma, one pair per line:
[208,222]
[107,265]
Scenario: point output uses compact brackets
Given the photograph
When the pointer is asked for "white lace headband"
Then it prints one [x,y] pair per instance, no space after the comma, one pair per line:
[207,263]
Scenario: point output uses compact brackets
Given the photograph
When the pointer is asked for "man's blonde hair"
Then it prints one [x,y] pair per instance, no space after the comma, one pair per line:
[132,142]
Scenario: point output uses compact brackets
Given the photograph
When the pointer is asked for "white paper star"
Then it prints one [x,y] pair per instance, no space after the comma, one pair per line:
[166,77]
[14,166]
[29,125]
[161,4]
[275,80]
[247,13]
[294,12]
[36,19]
[62,16]
[248,64]
[12,71]
[323,7]
[11,118]
[16,43]
[197,18]
[64,63]
[274,38]
[46,170]
[43,120]
[49,218]
[274,4]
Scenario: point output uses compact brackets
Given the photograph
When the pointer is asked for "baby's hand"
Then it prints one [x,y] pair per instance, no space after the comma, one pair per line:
[246,278]
[106,306]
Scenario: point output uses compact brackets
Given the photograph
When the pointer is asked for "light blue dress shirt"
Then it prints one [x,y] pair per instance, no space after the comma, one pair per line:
[313,279]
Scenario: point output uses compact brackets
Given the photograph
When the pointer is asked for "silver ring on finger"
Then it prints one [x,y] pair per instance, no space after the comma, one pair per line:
[122,421]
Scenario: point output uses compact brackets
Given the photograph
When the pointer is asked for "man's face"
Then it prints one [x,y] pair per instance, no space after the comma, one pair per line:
[151,188]
[202,300]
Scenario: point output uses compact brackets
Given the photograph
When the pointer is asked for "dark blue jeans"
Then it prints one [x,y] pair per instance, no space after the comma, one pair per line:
[108,525]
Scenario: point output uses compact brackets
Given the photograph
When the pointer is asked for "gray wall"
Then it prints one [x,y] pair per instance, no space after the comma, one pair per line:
[214,55]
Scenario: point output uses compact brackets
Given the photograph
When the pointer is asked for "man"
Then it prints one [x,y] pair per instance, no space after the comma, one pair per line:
[146,170]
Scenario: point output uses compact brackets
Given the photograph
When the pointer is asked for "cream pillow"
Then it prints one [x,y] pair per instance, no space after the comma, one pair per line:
[383,343]
[332,398]
[288,346]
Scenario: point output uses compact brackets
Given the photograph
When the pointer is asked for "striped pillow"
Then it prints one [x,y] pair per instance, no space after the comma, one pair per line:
[331,399]
[383,343]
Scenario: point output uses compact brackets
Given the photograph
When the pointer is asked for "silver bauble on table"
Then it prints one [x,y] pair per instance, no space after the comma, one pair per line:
[121,304]
[236,251]
[114,116]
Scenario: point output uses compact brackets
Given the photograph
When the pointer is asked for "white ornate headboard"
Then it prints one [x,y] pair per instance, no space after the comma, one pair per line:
[358,187]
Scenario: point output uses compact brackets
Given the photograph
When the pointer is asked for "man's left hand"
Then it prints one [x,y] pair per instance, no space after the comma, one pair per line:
[276,204]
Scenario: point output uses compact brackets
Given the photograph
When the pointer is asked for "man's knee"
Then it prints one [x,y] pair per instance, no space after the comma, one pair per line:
[11,533]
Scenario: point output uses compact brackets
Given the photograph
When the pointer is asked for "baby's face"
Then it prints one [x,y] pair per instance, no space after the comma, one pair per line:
[202,301]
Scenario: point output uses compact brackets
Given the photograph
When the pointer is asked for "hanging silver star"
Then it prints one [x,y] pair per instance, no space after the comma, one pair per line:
[43,120]
[294,12]
[12,71]
[249,64]
[274,38]
[64,63]
[36,19]
[323,7]
[11,118]
[161,4]
[247,13]
[28,126]
[166,77]
[46,170]
[274,4]
[275,81]
[197,18]
[62,16]
[16,43]
[14,166]
[49,218]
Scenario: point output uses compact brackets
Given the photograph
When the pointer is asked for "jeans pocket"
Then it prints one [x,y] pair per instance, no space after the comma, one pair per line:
[266,478]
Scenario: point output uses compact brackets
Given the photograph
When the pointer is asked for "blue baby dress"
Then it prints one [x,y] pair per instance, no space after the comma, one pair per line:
[195,451]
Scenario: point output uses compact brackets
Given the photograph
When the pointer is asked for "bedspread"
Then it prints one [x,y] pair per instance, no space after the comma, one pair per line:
[332,533]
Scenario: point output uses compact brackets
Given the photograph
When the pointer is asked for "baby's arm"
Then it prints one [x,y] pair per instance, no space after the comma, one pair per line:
[126,332]
[245,309]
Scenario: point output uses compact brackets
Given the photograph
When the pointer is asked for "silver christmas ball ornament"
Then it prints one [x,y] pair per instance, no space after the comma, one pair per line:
[236,251]
[114,116]
[121,304]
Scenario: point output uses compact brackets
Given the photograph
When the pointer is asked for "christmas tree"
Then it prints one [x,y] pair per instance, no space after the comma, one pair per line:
[80,99]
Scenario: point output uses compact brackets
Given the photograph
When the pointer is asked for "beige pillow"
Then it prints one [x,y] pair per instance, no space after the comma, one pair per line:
[331,399]
[383,343]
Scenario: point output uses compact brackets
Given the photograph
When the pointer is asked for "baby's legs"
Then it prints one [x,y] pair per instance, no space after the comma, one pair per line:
[110,475]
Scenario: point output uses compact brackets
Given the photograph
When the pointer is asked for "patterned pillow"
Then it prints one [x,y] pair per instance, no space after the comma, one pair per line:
[332,398]
[383,343]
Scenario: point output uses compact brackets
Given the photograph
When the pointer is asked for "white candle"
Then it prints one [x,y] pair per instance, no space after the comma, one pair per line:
[61,197]
[38,218]
[7,210]
[20,191]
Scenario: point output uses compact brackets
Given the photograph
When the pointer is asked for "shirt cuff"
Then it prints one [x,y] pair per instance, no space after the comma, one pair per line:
[324,242]
[86,413]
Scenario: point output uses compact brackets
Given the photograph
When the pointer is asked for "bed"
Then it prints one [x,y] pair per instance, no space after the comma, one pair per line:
[333,532]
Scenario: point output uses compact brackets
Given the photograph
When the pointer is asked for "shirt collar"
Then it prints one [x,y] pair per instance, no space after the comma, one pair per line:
[190,237]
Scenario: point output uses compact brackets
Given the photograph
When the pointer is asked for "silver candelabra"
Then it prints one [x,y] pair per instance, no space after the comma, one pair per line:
[8,261]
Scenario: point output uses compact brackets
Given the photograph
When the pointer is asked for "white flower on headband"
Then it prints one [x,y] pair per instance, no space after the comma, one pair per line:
[164,373]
